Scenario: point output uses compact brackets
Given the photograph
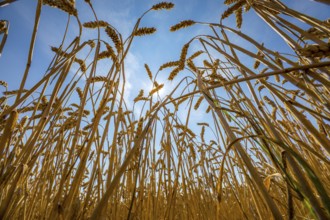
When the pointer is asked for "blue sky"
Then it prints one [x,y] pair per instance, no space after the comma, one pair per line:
[154,50]
[121,14]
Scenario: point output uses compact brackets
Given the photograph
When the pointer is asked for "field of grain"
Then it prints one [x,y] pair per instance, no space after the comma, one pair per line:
[71,147]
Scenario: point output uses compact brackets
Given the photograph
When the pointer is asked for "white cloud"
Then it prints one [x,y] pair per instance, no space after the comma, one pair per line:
[132,69]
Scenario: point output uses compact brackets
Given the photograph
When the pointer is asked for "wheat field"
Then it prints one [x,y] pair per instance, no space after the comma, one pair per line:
[71,147]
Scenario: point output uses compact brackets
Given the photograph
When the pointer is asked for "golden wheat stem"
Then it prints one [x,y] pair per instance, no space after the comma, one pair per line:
[32,43]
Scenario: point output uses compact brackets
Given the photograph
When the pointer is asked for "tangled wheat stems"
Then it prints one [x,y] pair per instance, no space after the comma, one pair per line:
[73,148]
[305,179]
